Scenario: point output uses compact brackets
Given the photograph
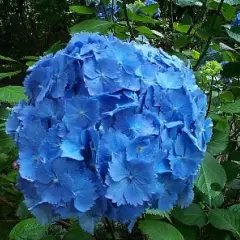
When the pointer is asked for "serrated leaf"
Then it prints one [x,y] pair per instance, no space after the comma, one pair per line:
[191,216]
[8,74]
[225,219]
[157,212]
[12,94]
[7,59]
[157,230]
[28,229]
[82,9]
[211,172]
[91,25]
[231,107]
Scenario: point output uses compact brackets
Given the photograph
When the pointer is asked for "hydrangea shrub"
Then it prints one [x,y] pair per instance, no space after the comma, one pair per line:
[110,128]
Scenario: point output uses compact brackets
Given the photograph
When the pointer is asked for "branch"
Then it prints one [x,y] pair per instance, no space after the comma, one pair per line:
[6,202]
[113,20]
[127,20]
[63,223]
[209,38]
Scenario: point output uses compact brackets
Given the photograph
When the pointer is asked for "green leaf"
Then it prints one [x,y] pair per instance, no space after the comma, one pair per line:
[191,216]
[145,31]
[51,238]
[226,96]
[216,200]
[220,136]
[82,9]
[33,58]
[192,53]
[6,143]
[4,113]
[9,74]
[211,173]
[182,28]
[7,59]
[12,94]
[228,12]
[22,211]
[54,48]
[77,233]
[189,233]
[4,161]
[231,107]
[11,176]
[134,17]
[230,2]
[150,9]
[157,230]
[157,212]
[225,219]
[231,169]
[233,35]
[184,3]
[182,41]
[235,208]
[28,229]
[91,25]
[30,63]
[231,69]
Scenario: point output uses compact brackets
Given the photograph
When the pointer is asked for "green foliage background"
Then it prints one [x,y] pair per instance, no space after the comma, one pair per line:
[197,31]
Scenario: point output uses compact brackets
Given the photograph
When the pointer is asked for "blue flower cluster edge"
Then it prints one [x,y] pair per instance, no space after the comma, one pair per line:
[110,129]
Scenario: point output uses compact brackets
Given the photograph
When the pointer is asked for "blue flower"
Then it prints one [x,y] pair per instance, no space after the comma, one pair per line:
[129,182]
[109,129]
[73,145]
[132,124]
[80,112]
[53,182]
[236,21]
[101,76]
[184,157]
[143,148]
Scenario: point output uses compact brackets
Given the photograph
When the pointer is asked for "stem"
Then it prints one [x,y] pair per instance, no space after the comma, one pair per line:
[127,20]
[171,14]
[110,228]
[210,97]
[209,38]
[63,224]
[6,202]
[104,10]
[113,20]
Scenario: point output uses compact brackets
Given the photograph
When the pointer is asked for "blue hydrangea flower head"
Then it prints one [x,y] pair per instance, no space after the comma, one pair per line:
[236,21]
[109,129]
